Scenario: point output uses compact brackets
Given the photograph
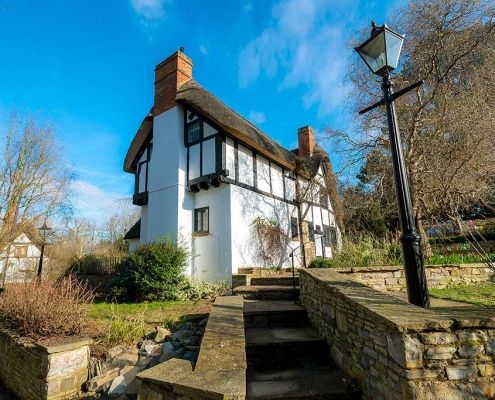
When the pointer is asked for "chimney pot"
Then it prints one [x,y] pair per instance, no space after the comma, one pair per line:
[170,75]
[306,139]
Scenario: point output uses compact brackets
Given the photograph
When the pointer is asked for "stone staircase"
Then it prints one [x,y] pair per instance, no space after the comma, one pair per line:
[286,358]
[279,287]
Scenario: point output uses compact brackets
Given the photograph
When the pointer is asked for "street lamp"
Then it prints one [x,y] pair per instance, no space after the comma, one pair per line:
[45,230]
[381,54]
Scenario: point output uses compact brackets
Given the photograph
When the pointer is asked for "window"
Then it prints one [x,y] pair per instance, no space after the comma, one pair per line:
[318,230]
[294,228]
[194,131]
[20,251]
[328,238]
[333,236]
[330,235]
[323,198]
[201,221]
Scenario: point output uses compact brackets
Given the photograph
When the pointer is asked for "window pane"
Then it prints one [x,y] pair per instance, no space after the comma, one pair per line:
[205,220]
[194,132]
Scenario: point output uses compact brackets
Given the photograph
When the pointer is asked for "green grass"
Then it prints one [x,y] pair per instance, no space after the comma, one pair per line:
[438,259]
[482,294]
[114,323]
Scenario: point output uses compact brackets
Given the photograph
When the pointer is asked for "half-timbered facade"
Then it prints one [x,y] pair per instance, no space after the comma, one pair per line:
[204,174]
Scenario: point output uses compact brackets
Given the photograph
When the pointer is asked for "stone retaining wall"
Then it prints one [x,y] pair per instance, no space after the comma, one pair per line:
[391,278]
[398,351]
[33,371]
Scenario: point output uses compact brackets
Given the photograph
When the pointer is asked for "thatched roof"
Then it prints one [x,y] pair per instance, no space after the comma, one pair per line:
[134,232]
[196,97]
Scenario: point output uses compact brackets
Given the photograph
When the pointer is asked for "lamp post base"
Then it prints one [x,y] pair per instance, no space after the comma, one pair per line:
[417,290]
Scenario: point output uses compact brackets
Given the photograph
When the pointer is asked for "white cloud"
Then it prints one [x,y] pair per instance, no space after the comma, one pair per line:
[302,44]
[90,201]
[257,117]
[149,9]
[203,50]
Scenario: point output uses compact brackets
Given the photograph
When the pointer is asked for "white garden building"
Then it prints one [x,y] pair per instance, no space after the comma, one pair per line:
[210,178]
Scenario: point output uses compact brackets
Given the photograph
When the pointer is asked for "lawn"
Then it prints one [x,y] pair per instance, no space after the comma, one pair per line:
[482,294]
[124,323]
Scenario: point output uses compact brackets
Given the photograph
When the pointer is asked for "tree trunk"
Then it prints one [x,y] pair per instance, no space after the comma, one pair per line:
[425,240]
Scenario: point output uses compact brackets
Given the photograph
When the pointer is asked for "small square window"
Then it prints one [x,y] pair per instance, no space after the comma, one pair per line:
[294,228]
[194,131]
[201,221]
[20,251]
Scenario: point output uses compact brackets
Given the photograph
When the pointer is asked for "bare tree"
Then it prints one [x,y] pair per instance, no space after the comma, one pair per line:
[447,125]
[34,179]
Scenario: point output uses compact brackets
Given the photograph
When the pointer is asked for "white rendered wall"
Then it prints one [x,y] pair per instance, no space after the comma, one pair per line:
[230,157]
[209,160]
[213,252]
[245,157]
[169,204]
[246,206]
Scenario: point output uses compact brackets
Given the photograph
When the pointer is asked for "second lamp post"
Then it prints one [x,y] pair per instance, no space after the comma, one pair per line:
[381,54]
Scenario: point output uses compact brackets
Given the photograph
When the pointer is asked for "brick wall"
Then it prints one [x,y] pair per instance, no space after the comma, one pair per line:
[33,371]
[398,351]
[391,278]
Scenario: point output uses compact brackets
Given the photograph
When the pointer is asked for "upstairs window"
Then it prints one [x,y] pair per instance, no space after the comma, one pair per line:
[294,228]
[20,251]
[323,198]
[201,221]
[193,131]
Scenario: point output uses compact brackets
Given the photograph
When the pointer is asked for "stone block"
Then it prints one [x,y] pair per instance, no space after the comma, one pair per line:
[71,360]
[341,322]
[94,384]
[440,353]
[486,369]
[471,350]
[405,350]
[460,372]
[438,338]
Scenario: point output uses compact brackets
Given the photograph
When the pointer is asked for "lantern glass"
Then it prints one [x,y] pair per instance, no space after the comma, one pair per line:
[393,44]
[382,50]
[373,52]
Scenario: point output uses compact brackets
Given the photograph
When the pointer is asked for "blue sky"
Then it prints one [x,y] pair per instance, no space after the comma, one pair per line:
[86,66]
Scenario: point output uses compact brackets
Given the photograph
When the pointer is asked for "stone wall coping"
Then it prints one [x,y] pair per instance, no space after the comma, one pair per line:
[386,268]
[396,314]
[67,345]
[220,371]
[62,344]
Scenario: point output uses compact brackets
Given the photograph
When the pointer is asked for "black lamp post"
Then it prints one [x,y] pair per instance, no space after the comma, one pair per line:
[381,54]
[45,230]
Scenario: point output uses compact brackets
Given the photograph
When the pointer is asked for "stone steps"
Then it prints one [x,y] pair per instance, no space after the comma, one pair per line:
[286,358]
[285,280]
[262,313]
[297,383]
[267,292]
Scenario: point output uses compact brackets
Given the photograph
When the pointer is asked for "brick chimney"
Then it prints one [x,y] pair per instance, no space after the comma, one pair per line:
[170,75]
[306,138]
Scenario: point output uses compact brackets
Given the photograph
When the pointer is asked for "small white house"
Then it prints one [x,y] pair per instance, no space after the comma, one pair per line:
[19,261]
[204,175]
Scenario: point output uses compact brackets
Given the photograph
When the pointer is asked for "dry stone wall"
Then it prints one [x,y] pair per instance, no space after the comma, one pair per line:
[391,278]
[33,371]
[398,351]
